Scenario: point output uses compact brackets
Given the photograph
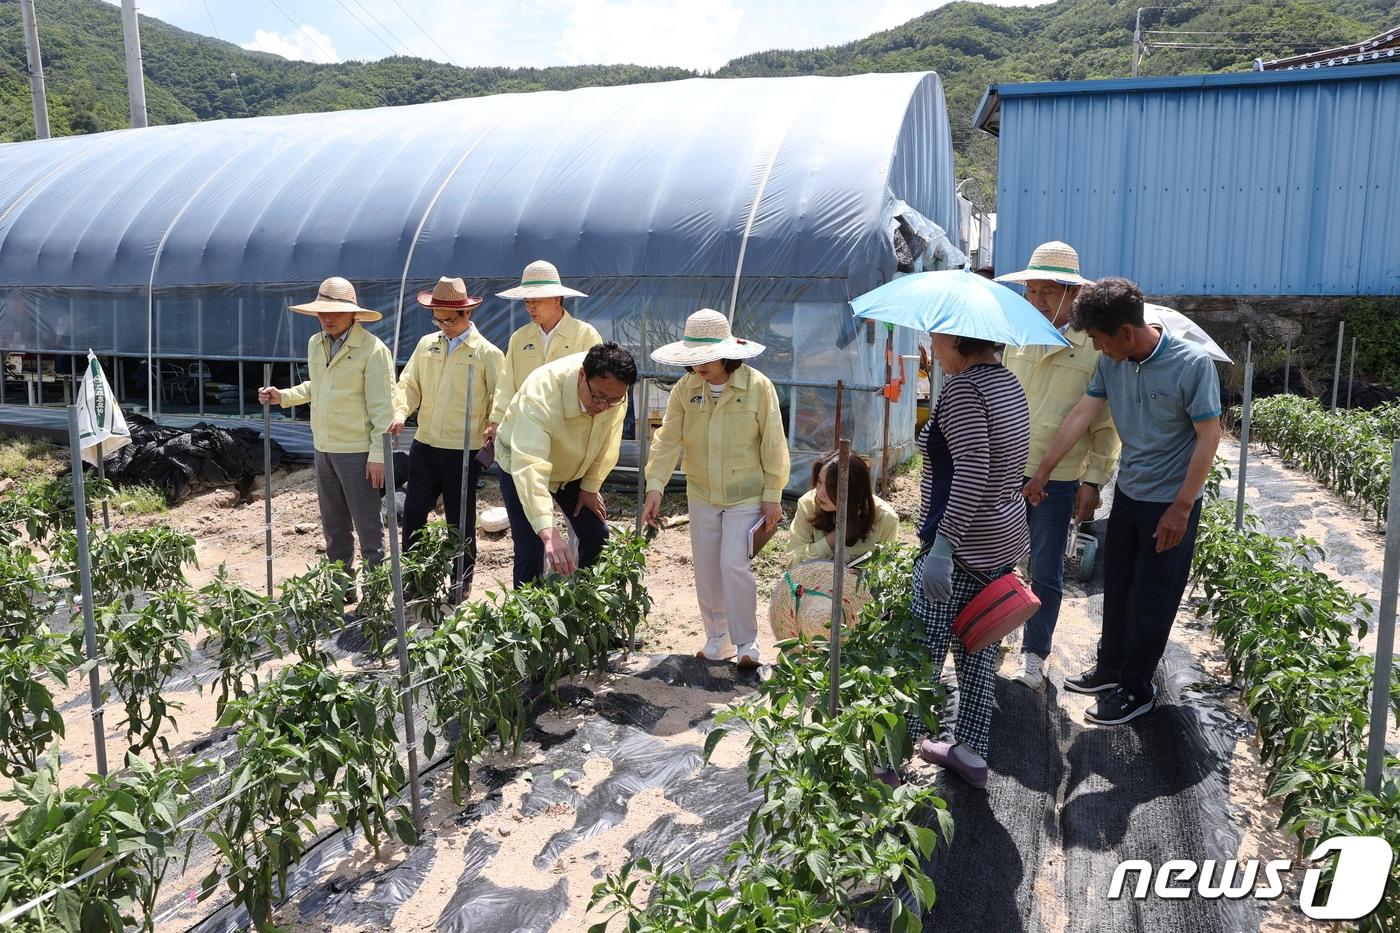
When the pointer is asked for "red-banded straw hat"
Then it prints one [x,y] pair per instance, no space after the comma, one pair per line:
[1053,261]
[540,280]
[450,295]
[707,338]
[336,295]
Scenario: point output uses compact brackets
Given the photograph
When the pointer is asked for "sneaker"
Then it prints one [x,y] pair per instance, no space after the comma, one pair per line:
[1118,707]
[716,648]
[1030,673]
[748,656]
[1091,681]
[944,755]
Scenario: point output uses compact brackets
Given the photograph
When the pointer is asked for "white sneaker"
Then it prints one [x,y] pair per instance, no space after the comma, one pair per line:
[716,648]
[1030,673]
[748,655]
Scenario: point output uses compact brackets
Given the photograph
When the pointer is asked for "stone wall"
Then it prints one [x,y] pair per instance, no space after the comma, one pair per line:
[1310,323]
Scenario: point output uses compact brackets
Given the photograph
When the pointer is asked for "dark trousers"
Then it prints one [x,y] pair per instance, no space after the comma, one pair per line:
[434,472]
[1141,590]
[590,530]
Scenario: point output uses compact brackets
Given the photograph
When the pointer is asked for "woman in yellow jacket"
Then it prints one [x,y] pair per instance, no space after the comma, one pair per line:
[870,520]
[725,417]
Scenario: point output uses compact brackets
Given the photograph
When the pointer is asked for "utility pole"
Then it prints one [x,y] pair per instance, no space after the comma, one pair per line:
[1137,42]
[36,70]
[135,80]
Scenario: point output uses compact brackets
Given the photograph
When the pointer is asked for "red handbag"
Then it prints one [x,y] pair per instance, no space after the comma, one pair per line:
[1004,605]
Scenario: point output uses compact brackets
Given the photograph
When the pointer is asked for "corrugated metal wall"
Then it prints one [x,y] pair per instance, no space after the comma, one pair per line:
[1247,188]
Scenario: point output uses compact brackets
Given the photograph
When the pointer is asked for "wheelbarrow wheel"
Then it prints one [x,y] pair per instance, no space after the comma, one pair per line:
[1088,551]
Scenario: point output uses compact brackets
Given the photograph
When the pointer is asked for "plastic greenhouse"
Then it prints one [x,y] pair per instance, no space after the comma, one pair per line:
[174,251]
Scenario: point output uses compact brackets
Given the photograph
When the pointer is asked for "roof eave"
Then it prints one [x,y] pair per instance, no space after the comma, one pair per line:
[988,115]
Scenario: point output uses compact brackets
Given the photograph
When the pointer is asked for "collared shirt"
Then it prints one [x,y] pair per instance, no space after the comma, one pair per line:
[807,542]
[336,344]
[1156,404]
[351,393]
[547,439]
[529,350]
[434,384]
[735,449]
[1054,380]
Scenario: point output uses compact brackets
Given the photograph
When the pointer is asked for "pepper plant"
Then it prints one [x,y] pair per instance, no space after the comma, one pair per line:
[312,740]
[127,563]
[123,828]
[29,721]
[245,625]
[313,603]
[49,507]
[427,569]
[142,651]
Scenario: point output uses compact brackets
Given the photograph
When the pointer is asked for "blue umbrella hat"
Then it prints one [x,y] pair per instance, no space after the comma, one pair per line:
[960,303]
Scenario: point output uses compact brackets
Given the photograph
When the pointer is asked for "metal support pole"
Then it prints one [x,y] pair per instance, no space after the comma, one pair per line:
[885,430]
[1337,370]
[840,391]
[1385,632]
[1137,42]
[1351,374]
[99,731]
[135,79]
[459,589]
[267,477]
[1244,433]
[838,569]
[36,69]
[642,430]
[396,567]
[106,503]
[1287,363]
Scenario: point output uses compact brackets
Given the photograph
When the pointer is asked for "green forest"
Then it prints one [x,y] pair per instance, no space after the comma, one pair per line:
[971,45]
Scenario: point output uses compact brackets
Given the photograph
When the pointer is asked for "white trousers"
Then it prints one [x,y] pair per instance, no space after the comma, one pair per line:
[724,584]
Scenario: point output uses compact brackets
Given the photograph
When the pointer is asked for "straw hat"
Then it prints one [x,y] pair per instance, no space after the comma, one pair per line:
[707,338]
[448,294]
[1053,261]
[335,295]
[801,600]
[540,280]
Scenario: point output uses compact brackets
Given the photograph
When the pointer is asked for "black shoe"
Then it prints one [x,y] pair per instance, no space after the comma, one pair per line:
[1120,706]
[1091,681]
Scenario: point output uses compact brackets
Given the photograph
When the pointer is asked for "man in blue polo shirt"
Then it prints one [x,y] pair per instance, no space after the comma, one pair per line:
[1165,397]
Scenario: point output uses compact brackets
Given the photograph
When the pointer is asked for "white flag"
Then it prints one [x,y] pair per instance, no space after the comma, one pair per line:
[101,425]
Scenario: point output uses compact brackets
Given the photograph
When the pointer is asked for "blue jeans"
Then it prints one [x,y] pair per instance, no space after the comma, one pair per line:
[1049,523]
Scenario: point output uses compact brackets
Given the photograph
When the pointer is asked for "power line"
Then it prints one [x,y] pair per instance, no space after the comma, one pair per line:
[425,33]
[370,13]
[369,29]
[330,53]
[232,73]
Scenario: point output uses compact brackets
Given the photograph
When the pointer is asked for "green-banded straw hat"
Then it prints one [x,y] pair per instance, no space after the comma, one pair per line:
[707,338]
[1053,261]
[540,280]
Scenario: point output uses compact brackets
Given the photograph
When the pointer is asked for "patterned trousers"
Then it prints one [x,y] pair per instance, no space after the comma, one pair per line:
[933,626]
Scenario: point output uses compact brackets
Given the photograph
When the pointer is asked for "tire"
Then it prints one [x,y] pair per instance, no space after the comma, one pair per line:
[1087,553]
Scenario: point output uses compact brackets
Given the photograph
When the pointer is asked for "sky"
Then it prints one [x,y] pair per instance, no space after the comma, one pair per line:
[697,34]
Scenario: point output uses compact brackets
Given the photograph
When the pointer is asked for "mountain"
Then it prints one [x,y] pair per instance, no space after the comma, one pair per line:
[971,45]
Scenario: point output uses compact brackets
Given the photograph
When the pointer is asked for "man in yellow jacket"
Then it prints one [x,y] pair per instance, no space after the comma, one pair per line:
[434,384]
[1054,380]
[559,438]
[351,393]
[552,334]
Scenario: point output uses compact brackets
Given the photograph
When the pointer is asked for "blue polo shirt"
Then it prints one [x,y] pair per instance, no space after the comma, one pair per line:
[1155,405]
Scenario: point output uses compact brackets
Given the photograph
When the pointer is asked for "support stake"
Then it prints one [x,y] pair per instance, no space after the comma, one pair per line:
[1385,632]
[267,479]
[1244,433]
[99,731]
[396,567]
[1337,370]
[459,582]
[838,569]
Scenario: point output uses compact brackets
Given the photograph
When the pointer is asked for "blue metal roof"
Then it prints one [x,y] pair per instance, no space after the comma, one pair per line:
[1258,183]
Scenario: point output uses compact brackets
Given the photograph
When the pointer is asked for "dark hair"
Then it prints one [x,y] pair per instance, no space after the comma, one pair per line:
[609,359]
[1107,305]
[729,366]
[860,498]
[971,346]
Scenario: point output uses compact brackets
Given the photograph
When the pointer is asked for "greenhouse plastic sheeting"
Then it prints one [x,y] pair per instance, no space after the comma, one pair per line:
[189,241]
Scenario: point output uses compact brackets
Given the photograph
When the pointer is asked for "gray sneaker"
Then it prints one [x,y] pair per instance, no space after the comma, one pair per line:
[1031,673]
